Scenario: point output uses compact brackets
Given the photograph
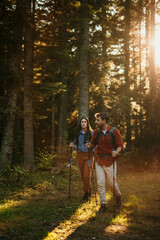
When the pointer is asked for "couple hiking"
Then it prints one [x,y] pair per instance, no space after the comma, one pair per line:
[105,144]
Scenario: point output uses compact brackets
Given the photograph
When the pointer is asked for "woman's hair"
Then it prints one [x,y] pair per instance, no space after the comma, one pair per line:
[88,133]
[88,124]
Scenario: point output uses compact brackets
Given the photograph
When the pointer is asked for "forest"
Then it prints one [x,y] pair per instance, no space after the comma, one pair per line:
[63,59]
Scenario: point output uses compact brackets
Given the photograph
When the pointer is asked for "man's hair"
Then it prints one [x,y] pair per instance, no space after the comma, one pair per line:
[103,116]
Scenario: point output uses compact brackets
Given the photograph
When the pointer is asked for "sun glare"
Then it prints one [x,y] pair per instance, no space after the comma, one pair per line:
[157,41]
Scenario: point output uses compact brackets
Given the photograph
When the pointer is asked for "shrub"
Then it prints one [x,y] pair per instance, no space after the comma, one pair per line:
[14,176]
[44,160]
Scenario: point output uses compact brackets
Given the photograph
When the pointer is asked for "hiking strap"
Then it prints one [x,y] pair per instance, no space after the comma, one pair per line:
[99,134]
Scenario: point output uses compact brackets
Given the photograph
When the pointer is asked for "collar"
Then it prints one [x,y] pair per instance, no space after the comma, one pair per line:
[108,129]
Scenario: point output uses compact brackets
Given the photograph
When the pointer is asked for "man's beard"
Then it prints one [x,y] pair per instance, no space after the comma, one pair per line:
[97,126]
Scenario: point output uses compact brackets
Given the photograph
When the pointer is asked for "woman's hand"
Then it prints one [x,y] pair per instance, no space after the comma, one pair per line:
[72,145]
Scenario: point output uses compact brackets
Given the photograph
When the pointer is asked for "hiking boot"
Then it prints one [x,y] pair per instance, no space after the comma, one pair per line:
[102,209]
[85,197]
[118,201]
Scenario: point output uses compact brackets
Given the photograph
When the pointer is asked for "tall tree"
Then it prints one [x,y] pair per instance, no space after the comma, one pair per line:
[62,126]
[28,85]
[83,61]
[153,91]
[53,125]
[140,73]
[152,65]
[14,77]
[127,78]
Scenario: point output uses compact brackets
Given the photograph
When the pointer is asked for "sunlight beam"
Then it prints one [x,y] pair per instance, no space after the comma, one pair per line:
[81,216]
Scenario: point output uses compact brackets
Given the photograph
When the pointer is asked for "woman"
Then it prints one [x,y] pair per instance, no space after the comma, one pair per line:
[84,134]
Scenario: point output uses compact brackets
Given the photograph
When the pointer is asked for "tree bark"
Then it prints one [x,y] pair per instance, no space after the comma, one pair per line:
[53,125]
[62,125]
[127,78]
[153,93]
[140,75]
[135,98]
[8,135]
[147,40]
[83,64]
[7,139]
[28,89]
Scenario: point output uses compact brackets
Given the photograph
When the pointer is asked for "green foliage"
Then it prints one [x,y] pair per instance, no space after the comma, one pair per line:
[45,212]
[14,176]
[44,160]
[57,44]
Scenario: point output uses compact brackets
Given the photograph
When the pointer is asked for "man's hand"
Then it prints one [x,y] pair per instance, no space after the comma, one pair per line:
[116,152]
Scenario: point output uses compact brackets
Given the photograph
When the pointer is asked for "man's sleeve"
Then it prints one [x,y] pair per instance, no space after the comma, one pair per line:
[93,139]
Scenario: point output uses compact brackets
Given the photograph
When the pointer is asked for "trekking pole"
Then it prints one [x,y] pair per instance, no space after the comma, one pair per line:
[89,168]
[92,176]
[114,207]
[93,181]
[70,173]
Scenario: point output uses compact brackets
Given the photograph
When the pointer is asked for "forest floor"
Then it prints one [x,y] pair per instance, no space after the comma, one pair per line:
[41,210]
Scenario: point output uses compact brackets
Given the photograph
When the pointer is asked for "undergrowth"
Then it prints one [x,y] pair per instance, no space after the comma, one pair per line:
[38,208]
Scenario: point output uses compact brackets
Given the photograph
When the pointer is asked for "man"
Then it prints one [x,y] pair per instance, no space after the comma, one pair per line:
[104,157]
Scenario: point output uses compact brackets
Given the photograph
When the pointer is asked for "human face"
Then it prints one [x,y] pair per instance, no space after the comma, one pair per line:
[84,124]
[99,122]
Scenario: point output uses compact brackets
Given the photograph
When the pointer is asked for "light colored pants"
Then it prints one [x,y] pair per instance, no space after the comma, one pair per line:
[102,173]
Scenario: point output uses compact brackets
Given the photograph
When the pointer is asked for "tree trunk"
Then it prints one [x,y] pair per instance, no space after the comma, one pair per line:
[53,126]
[135,98]
[7,139]
[140,76]
[153,92]
[152,57]
[83,65]
[28,88]
[62,126]
[147,20]
[127,78]
[8,135]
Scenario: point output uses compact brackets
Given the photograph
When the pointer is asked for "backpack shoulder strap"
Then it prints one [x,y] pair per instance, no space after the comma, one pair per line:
[112,136]
[98,136]
[87,136]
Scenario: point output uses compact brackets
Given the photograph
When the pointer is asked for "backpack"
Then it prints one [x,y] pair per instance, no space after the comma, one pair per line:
[109,134]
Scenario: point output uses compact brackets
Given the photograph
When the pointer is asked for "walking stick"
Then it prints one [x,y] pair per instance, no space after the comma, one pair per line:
[114,207]
[93,181]
[70,173]
[92,176]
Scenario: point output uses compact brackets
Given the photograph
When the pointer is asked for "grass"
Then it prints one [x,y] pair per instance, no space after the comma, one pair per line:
[41,209]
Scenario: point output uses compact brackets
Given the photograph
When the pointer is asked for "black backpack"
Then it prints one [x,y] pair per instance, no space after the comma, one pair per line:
[109,134]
